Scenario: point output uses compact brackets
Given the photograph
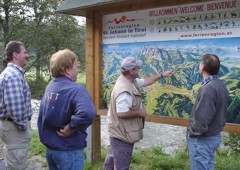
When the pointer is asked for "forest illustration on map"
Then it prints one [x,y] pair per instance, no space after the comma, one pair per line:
[175,96]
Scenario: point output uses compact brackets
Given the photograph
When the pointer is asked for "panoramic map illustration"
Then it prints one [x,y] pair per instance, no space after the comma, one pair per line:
[175,96]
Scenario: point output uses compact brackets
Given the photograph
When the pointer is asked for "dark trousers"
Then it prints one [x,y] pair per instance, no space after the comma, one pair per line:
[119,155]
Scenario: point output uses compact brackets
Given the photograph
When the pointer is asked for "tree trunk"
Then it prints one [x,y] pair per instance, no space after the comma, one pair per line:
[38,70]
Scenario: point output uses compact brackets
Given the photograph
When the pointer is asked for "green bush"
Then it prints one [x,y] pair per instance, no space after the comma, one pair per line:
[37,88]
[227,162]
[233,141]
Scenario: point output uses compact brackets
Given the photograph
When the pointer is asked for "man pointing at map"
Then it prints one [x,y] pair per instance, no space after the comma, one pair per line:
[126,113]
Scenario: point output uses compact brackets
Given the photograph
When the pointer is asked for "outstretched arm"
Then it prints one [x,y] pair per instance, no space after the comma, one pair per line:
[150,80]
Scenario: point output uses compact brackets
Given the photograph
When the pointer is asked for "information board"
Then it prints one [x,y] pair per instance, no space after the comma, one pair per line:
[175,38]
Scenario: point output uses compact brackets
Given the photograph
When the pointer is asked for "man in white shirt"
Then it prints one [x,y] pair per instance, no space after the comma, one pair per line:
[126,114]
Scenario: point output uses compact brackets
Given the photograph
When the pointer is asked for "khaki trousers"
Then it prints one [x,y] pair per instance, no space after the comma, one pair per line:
[16,145]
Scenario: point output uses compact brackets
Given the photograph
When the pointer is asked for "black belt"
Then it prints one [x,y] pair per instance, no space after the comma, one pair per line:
[11,120]
[8,119]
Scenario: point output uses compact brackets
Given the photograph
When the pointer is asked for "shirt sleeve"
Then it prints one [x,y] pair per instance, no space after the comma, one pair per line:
[123,102]
[140,82]
[84,110]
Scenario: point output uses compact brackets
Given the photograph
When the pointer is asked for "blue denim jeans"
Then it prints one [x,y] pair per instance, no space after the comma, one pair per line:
[202,151]
[65,160]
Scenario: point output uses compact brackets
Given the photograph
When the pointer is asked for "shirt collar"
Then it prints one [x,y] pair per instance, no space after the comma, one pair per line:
[16,67]
[210,78]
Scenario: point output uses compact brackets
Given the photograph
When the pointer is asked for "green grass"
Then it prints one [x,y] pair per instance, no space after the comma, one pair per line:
[36,147]
[156,159]
[148,159]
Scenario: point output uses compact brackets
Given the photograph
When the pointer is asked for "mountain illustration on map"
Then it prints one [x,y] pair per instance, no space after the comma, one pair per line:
[175,96]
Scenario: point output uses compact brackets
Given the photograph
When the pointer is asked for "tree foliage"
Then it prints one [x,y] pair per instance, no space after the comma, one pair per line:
[42,30]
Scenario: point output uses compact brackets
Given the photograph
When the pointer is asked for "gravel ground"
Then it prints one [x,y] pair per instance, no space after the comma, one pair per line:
[170,138]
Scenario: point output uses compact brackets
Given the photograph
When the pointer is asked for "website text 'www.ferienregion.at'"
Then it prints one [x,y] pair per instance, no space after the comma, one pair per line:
[212,34]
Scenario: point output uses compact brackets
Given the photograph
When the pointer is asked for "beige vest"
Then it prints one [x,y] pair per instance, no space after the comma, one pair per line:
[128,130]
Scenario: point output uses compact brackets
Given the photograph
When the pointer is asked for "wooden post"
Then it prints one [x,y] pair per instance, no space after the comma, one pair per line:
[94,137]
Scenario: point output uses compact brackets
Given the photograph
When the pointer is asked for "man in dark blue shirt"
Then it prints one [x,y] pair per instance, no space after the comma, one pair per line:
[66,111]
[208,115]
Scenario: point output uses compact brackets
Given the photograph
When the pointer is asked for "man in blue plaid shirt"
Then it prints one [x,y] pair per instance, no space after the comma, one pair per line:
[15,107]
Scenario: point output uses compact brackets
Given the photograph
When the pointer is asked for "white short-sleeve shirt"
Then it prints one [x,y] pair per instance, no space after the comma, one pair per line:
[124,100]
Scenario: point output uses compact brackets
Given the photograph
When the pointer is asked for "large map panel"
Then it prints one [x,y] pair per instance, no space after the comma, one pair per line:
[175,38]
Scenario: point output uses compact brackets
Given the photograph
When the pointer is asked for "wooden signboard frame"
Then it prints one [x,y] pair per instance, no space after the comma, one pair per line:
[94,61]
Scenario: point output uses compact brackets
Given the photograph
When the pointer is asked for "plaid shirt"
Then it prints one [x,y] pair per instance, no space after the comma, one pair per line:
[205,81]
[15,96]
